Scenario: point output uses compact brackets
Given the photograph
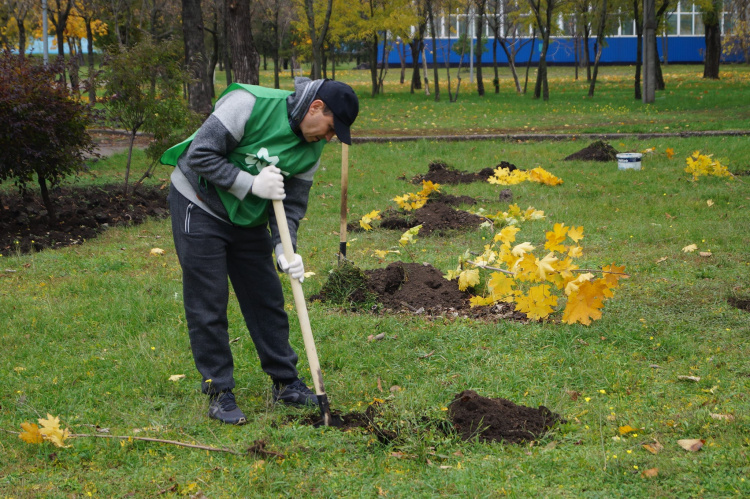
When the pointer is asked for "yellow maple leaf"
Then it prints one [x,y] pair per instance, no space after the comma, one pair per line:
[526,268]
[366,220]
[670,152]
[408,236]
[545,265]
[538,303]
[521,249]
[480,301]
[507,235]
[576,233]
[52,432]
[575,251]
[542,176]
[30,433]
[428,187]
[573,285]
[584,305]
[555,237]
[613,274]
[468,279]
[501,286]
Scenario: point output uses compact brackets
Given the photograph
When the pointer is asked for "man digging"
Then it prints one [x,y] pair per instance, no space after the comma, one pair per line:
[258,145]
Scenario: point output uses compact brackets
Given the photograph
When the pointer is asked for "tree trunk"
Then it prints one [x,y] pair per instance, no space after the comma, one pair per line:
[481,5]
[713,44]
[639,48]
[245,58]
[373,56]
[416,46]
[599,42]
[90,57]
[317,38]
[528,63]
[424,68]
[587,51]
[199,91]
[51,215]
[433,35]
[496,79]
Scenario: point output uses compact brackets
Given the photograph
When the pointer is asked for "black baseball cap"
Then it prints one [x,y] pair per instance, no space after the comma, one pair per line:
[343,102]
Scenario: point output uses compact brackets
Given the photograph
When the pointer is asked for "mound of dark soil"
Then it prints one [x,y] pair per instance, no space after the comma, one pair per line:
[452,200]
[415,286]
[434,216]
[596,151]
[441,173]
[81,214]
[494,420]
[411,287]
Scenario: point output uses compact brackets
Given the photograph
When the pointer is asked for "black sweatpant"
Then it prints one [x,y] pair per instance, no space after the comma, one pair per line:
[209,250]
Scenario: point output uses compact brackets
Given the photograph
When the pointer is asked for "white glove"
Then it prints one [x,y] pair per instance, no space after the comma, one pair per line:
[269,184]
[296,269]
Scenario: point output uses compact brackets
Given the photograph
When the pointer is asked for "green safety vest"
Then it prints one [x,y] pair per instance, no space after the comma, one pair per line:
[268,140]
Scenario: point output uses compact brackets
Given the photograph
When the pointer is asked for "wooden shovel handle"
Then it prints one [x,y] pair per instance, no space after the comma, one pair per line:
[299,300]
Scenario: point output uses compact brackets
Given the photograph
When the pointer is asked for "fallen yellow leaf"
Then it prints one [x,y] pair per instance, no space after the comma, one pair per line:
[30,433]
[626,429]
[690,248]
[176,377]
[689,378]
[157,251]
[705,254]
[52,432]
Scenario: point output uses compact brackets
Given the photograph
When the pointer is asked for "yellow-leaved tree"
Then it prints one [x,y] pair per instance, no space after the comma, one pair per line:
[538,280]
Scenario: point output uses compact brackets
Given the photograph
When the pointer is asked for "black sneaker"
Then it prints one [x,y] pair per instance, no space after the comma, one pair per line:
[224,408]
[295,393]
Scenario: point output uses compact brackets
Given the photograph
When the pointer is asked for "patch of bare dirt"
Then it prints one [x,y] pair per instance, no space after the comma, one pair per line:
[596,151]
[81,214]
[498,419]
[441,173]
[415,288]
[434,217]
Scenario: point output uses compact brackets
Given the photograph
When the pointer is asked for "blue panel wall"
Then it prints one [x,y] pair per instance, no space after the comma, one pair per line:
[618,50]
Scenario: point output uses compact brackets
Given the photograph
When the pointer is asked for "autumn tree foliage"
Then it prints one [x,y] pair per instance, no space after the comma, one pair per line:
[44,127]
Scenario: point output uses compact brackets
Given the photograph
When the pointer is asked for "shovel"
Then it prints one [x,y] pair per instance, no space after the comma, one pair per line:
[304,321]
[344,190]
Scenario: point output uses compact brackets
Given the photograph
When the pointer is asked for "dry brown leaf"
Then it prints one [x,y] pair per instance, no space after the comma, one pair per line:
[573,394]
[654,447]
[395,388]
[650,473]
[705,254]
[691,444]
[689,378]
[380,385]
[376,337]
[722,417]
[662,259]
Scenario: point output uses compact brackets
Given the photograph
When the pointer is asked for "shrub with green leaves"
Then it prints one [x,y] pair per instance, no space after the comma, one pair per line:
[143,92]
[44,126]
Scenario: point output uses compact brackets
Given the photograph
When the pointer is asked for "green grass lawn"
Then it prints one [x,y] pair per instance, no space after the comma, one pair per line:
[92,333]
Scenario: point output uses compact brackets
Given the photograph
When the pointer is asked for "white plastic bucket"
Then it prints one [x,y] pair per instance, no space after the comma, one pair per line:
[629,161]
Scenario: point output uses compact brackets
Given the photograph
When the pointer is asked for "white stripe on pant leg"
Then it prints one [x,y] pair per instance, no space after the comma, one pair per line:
[187,217]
